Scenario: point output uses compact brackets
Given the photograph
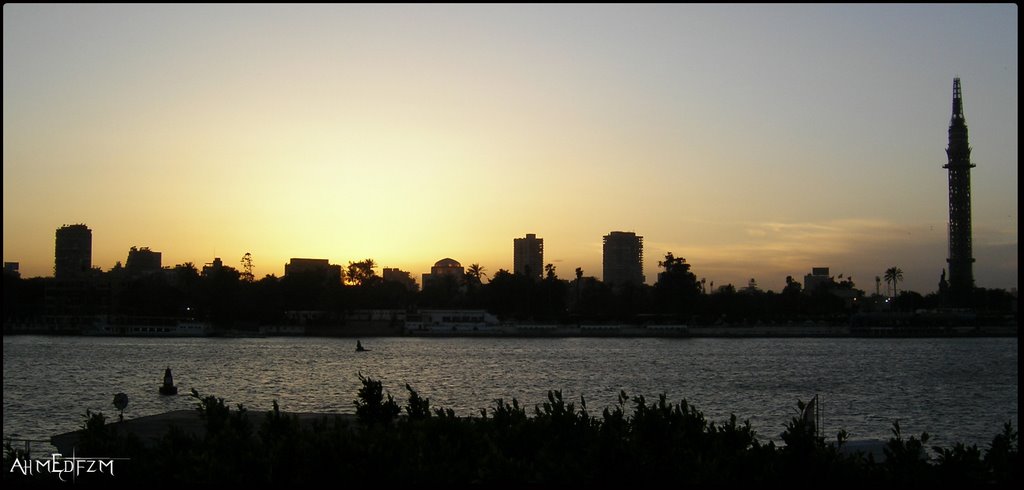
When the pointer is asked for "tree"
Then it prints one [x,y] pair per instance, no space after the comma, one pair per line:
[677,288]
[508,294]
[219,295]
[845,283]
[878,284]
[361,273]
[472,279]
[579,277]
[893,275]
[792,286]
[550,295]
[792,301]
[120,403]
[186,274]
[187,282]
[247,275]
[475,273]
[909,301]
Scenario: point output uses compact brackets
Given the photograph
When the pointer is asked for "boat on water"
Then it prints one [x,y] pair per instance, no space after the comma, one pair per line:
[448,321]
[149,327]
[359,347]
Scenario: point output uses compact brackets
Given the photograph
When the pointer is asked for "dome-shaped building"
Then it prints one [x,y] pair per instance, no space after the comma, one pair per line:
[444,267]
[446,264]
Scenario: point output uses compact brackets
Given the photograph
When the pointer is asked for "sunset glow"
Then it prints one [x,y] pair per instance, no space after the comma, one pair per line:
[755,141]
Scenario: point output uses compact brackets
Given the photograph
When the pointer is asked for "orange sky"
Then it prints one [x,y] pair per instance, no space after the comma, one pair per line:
[755,141]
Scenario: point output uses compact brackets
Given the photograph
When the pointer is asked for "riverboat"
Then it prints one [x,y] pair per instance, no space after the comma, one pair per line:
[149,328]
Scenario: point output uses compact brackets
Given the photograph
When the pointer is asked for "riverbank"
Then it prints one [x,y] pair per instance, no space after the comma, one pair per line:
[638,441]
[729,331]
[619,331]
[151,428]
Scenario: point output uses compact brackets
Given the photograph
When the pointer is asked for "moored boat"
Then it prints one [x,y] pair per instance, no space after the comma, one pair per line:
[149,327]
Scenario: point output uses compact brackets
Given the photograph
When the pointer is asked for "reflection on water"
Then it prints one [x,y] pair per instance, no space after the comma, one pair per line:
[955,389]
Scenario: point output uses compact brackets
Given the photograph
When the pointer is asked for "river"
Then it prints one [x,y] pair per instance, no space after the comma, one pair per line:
[956,389]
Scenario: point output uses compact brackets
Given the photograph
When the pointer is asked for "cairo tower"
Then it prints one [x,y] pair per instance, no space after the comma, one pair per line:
[961,262]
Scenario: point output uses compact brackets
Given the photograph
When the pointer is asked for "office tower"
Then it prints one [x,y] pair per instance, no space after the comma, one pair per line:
[623,258]
[528,256]
[73,252]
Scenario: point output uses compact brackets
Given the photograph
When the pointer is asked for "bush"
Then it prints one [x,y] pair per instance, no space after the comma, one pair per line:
[633,442]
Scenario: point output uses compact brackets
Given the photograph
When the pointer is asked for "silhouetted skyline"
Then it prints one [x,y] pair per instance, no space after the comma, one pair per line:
[755,141]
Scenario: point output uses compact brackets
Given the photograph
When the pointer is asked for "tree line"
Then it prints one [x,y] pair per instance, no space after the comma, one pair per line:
[232,298]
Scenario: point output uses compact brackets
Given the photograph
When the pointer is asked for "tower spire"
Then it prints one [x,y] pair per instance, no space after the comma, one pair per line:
[961,275]
[958,102]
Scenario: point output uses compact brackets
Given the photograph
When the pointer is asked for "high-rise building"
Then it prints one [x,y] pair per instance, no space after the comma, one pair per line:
[215,267]
[528,256]
[142,261]
[623,258]
[74,294]
[330,273]
[961,261]
[399,276]
[817,278]
[73,252]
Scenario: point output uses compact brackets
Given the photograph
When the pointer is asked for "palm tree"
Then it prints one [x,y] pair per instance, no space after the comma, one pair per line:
[893,275]
[360,273]
[878,284]
[475,272]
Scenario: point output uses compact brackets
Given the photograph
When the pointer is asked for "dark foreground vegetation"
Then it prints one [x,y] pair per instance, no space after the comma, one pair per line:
[559,443]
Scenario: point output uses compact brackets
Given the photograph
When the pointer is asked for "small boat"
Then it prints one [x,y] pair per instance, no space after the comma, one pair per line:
[168,387]
[359,347]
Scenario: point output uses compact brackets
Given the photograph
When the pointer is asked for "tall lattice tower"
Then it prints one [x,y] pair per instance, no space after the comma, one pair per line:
[961,274]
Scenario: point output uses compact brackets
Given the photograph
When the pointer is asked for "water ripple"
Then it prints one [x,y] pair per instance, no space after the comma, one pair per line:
[956,389]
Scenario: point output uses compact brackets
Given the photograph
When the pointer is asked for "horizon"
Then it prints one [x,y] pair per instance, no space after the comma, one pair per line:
[415,276]
[755,141]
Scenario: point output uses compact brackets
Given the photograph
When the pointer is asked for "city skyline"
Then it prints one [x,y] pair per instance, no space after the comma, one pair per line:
[754,141]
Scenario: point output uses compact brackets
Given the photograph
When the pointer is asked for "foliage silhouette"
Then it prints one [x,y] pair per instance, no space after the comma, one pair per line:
[893,276]
[633,442]
[227,298]
[371,408]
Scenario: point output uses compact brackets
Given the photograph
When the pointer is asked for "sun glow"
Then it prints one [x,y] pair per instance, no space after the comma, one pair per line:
[408,135]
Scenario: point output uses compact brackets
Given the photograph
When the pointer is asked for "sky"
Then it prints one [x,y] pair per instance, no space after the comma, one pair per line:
[755,141]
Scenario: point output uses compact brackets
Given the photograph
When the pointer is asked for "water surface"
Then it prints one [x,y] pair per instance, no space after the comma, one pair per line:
[955,389]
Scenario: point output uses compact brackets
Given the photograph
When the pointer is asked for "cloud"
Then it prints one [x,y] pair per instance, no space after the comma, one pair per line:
[862,248]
